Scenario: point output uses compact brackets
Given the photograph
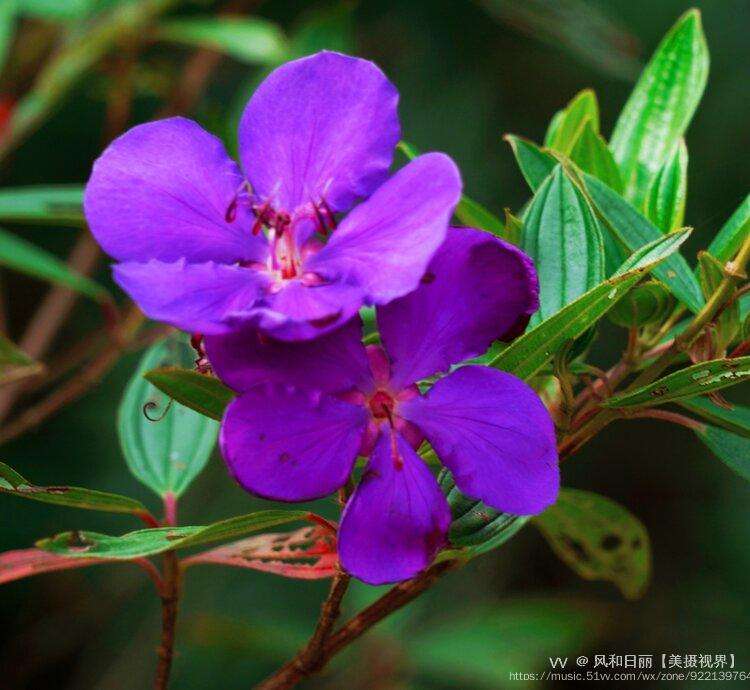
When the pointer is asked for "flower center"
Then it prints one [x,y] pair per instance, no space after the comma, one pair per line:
[381,405]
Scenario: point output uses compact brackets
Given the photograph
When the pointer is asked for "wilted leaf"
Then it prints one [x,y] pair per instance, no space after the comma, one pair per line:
[599,539]
[308,553]
[562,235]
[200,392]
[165,444]
[699,379]
[661,105]
[15,565]
[529,353]
[22,256]
[148,542]
[665,201]
[59,205]
[634,231]
[72,496]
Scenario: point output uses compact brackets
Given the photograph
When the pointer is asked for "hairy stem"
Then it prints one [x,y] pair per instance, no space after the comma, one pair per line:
[170,596]
[292,673]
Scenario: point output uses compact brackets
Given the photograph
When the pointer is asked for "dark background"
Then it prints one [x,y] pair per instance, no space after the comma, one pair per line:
[467,72]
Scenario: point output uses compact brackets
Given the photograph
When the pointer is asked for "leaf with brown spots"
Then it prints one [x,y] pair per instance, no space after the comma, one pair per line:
[599,539]
[306,554]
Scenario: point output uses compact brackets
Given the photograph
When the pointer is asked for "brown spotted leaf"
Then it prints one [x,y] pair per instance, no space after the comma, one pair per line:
[599,539]
[308,553]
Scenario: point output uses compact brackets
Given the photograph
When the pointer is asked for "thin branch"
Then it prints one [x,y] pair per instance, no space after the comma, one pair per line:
[290,673]
[170,596]
[667,416]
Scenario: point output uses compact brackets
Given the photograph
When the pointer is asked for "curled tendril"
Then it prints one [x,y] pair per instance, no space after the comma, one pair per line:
[153,405]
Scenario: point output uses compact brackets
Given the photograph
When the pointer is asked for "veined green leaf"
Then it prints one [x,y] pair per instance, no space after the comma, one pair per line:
[727,242]
[727,325]
[27,258]
[204,394]
[646,303]
[661,105]
[698,379]
[598,539]
[529,353]
[468,211]
[736,420]
[14,484]
[665,202]
[634,231]
[591,155]
[562,235]
[249,39]
[165,444]
[58,205]
[476,528]
[535,164]
[732,449]
[148,542]
[581,110]
[15,364]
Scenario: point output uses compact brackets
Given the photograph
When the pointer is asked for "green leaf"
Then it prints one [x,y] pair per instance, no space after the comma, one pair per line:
[665,202]
[204,394]
[644,304]
[698,379]
[732,449]
[15,364]
[165,444]
[727,325]
[468,211]
[472,214]
[598,539]
[248,39]
[582,110]
[562,235]
[529,353]
[727,242]
[535,164]
[476,528]
[661,105]
[554,124]
[736,420]
[57,10]
[27,258]
[149,542]
[591,155]
[634,231]
[14,484]
[58,205]
[513,231]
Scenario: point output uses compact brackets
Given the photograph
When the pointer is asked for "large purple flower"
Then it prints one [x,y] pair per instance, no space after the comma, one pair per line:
[306,410]
[209,249]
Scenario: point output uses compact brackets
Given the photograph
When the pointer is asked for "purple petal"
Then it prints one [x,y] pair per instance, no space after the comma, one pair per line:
[385,243]
[300,312]
[397,520]
[494,434]
[193,297]
[323,127]
[477,289]
[332,363]
[287,445]
[165,190]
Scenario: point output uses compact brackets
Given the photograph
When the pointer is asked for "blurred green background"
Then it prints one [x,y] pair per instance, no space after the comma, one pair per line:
[467,72]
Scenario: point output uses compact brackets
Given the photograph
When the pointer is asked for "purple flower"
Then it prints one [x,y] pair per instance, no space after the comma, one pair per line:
[209,249]
[306,410]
